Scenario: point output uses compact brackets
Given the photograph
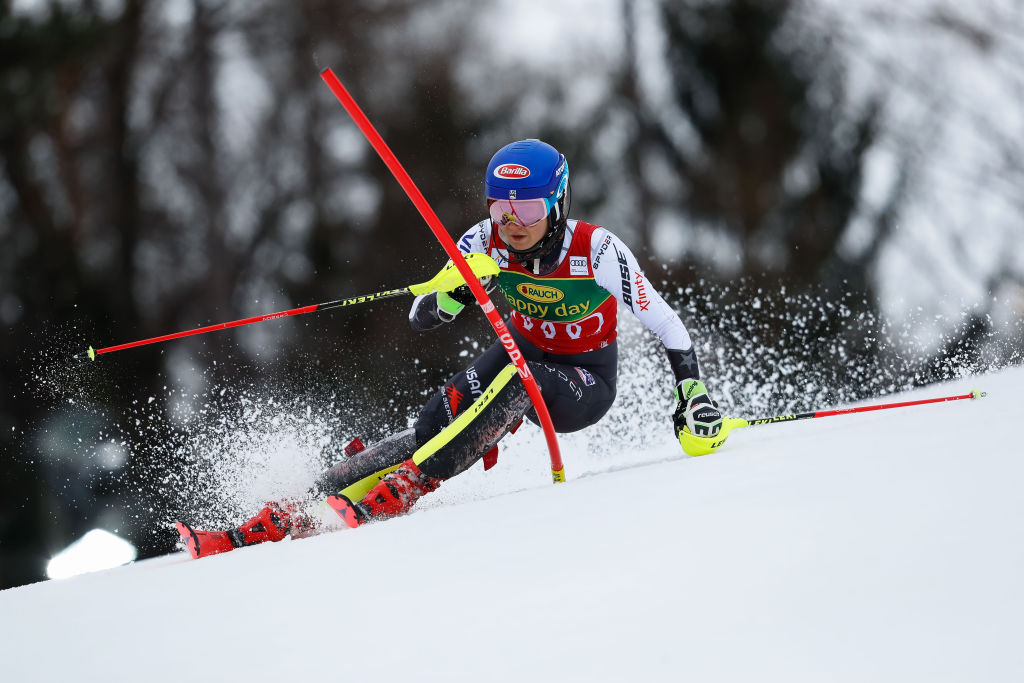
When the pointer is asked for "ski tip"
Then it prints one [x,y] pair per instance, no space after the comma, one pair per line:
[190,538]
[343,506]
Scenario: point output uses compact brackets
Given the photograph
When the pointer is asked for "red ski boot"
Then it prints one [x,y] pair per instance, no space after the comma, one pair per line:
[272,523]
[394,495]
[203,543]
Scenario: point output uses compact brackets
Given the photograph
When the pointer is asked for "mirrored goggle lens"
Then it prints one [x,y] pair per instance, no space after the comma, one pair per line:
[521,211]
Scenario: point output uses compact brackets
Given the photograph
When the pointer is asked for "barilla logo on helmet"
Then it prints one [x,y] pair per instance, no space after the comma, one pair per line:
[512,172]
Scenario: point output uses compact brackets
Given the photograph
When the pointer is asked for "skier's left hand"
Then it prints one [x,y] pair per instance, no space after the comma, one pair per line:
[695,410]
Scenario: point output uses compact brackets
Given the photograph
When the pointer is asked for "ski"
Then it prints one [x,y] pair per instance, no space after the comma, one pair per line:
[345,509]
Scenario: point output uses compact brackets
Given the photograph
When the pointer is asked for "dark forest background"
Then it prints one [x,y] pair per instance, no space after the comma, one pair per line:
[170,165]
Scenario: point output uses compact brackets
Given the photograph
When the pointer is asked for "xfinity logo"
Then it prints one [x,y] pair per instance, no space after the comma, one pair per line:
[641,293]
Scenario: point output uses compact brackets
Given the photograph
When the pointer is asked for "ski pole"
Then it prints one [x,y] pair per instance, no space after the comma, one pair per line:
[448,279]
[699,445]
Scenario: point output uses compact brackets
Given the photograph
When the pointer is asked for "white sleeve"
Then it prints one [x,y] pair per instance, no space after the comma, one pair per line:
[476,239]
[616,270]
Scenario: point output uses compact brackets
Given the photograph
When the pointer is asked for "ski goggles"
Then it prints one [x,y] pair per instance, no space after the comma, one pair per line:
[519,211]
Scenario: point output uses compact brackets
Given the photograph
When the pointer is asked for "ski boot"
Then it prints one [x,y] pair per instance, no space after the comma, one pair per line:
[394,495]
[272,523]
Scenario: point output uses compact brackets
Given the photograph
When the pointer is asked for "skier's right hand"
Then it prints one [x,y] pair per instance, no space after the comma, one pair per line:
[430,311]
[450,304]
[464,296]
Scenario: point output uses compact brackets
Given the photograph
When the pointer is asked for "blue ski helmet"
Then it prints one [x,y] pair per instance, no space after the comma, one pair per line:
[523,171]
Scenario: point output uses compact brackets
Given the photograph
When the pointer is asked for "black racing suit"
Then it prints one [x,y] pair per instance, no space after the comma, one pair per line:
[578,390]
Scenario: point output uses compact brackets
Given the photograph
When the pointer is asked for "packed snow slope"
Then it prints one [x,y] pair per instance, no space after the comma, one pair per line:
[884,546]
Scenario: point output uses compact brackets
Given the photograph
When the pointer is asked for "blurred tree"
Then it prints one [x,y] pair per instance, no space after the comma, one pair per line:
[171,166]
[764,154]
[45,67]
[780,157]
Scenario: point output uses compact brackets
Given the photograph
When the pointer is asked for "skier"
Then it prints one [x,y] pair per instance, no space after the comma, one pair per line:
[563,280]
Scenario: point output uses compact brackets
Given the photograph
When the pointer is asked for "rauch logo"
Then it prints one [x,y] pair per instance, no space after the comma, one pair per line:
[541,293]
[512,171]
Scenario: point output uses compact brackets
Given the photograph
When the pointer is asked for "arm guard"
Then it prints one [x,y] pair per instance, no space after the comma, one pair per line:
[684,364]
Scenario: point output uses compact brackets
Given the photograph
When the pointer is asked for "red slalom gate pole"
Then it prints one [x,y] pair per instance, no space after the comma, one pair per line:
[486,305]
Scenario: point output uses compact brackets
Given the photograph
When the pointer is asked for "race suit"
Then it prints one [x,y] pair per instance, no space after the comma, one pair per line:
[563,314]
[565,323]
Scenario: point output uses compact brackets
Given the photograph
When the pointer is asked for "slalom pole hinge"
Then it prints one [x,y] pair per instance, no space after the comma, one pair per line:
[92,353]
[975,394]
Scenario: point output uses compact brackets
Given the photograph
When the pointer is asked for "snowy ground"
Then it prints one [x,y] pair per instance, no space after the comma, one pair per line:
[877,547]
